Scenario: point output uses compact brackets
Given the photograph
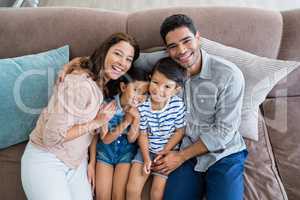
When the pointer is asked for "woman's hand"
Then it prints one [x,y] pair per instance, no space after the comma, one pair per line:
[106,112]
[68,68]
[91,175]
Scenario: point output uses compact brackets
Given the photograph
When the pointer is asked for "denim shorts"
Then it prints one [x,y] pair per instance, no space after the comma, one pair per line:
[119,151]
[139,159]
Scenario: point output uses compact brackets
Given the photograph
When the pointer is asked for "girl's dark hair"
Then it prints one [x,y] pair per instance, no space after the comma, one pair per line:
[171,69]
[176,21]
[95,63]
[133,74]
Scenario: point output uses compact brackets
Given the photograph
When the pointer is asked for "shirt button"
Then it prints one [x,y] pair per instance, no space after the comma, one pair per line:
[118,142]
[202,100]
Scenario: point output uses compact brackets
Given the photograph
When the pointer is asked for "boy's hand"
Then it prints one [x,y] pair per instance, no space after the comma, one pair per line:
[91,175]
[147,166]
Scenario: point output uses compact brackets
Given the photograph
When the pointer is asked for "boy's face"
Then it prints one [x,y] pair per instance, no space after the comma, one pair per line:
[135,92]
[161,88]
[183,47]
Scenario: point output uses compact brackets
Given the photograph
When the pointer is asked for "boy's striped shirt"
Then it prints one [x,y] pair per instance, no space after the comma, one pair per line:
[160,125]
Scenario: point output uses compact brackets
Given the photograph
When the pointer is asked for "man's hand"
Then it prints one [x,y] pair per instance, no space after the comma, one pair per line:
[166,163]
[160,154]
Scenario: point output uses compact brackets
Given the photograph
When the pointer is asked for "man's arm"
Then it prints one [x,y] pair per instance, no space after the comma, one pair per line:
[174,159]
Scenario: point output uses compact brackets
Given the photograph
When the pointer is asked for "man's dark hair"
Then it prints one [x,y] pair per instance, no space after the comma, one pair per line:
[171,69]
[176,21]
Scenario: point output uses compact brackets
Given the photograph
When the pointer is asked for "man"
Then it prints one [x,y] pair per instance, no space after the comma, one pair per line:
[211,159]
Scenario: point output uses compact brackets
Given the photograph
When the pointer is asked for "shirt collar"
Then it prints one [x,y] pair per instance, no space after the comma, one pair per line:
[205,72]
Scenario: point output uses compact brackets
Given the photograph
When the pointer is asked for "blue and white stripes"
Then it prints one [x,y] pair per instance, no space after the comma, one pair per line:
[160,125]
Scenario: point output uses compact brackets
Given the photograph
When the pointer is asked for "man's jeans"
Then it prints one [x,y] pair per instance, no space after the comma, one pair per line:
[222,181]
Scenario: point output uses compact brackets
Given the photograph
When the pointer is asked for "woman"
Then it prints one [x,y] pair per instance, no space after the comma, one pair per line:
[54,164]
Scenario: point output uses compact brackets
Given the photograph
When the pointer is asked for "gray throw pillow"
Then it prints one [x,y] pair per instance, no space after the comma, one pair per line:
[261,75]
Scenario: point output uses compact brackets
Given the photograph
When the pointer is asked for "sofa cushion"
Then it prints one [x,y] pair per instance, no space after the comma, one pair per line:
[26,84]
[261,177]
[282,119]
[261,75]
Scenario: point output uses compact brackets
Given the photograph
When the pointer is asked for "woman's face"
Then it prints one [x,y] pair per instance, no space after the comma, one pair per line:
[118,60]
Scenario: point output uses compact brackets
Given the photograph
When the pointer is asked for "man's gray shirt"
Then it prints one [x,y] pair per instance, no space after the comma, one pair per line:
[214,100]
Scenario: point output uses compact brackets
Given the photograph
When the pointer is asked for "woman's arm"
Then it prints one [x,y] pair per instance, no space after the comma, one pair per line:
[92,150]
[103,116]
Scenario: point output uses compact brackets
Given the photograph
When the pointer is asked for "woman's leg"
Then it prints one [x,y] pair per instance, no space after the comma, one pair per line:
[104,178]
[79,184]
[120,181]
[44,176]
[136,182]
[158,187]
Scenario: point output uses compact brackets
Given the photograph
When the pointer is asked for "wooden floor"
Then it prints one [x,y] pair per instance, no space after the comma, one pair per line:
[133,5]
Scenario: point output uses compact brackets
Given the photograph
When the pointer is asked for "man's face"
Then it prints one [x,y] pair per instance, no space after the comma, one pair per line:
[183,47]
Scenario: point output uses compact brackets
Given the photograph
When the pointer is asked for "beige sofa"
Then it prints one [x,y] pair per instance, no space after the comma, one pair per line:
[272,166]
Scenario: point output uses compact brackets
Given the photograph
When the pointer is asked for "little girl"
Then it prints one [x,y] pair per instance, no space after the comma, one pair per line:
[162,125]
[116,148]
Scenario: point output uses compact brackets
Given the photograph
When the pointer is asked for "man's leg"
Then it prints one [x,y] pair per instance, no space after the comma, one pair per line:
[224,179]
[185,183]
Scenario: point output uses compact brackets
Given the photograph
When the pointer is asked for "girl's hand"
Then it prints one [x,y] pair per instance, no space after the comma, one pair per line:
[91,175]
[68,68]
[106,112]
[147,166]
[103,131]
[133,111]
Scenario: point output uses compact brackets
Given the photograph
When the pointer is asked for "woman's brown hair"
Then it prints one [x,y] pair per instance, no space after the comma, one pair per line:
[95,63]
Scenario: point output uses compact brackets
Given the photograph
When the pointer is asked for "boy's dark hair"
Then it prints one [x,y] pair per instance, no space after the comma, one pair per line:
[133,74]
[176,21]
[171,69]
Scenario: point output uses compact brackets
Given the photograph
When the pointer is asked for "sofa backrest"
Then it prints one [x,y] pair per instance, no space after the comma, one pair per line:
[243,28]
[249,29]
[29,30]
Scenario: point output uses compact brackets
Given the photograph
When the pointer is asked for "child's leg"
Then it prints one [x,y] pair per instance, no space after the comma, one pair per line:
[158,187]
[104,176]
[136,182]
[120,181]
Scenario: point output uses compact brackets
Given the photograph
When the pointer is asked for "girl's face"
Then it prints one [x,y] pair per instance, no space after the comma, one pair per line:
[161,88]
[134,93]
[118,60]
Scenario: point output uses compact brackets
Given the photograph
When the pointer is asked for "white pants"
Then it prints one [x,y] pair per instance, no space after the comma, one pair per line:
[44,177]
